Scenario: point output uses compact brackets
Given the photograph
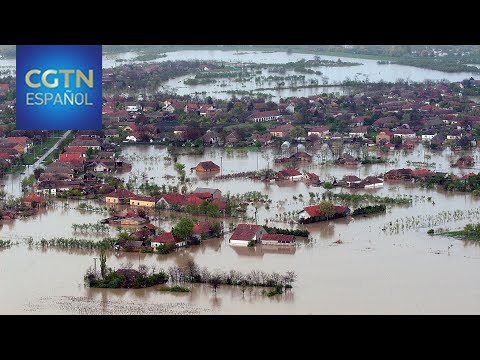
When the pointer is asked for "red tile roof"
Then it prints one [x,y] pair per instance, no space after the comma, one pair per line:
[422,172]
[318,129]
[175,198]
[208,165]
[469,175]
[76,149]
[121,194]
[245,232]
[201,228]
[404,132]
[70,156]
[4,87]
[313,210]
[262,114]
[17,140]
[221,204]
[278,237]
[351,178]
[143,198]
[33,198]
[194,200]
[289,172]
[166,238]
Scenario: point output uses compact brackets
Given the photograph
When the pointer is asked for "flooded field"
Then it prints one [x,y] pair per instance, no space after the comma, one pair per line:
[374,271]
[368,70]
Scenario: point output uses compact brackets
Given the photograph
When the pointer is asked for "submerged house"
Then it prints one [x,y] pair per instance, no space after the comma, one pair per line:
[399,174]
[207,166]
[244,233]
[119,196]
[346,159]
[289,174]
[167,238]
[278,239]
[371,182]
[311,214]
[465,162]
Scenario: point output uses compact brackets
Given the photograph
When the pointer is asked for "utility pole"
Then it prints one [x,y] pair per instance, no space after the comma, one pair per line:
[95,264]
[221,165]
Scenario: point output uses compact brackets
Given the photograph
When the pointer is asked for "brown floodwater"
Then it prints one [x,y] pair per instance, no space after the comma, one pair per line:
[374,271]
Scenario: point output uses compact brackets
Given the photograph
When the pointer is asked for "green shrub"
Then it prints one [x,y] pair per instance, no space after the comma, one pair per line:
[174,289]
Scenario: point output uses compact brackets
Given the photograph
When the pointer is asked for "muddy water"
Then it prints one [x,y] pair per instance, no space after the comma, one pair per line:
[368,70]
[373,271]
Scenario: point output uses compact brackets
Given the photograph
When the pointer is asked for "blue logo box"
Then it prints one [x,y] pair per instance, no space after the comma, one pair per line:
[59,87]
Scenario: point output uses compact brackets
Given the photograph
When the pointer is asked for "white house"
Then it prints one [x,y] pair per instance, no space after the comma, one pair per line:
[166,238]
[351,180]
[244,233]
[265,116]
[404,133]
[372,182]
[131,138]
[132,107]
[360,131]
[428,137]
[319,131]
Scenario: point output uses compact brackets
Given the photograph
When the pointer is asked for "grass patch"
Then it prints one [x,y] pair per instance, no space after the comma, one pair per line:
[37,150]
[174,289]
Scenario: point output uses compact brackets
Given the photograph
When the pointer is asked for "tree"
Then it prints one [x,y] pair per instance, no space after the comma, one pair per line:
[297,132]
[103,262]
[123,235]
[38,171]
[326,208]
[183,229]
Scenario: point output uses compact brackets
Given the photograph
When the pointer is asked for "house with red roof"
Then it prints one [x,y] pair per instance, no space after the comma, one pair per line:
[75,157]
[278,239]
[244,233]
[385,135]
[371,182]
[311,214]
[311,177]
[351,180]
[289,174]
[76,150]
[144,201]
[422,173]
[33,201]
[191,108]
[263,116]
[281,131]
[465,162]
[166,238]
[358,132]
[398,174]
[207,166]
[201,230]
[404,133]
[119,196]
[319,131]
[175,199]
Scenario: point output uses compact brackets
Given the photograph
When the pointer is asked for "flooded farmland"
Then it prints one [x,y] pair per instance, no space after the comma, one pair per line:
[374,271]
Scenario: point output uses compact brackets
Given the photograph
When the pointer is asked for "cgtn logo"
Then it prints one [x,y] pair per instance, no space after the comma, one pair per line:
[59,87]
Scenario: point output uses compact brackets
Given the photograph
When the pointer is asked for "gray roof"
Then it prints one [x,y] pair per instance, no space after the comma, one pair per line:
[205,190]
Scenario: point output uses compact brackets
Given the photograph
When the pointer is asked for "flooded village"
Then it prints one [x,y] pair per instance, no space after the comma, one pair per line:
[193,203]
